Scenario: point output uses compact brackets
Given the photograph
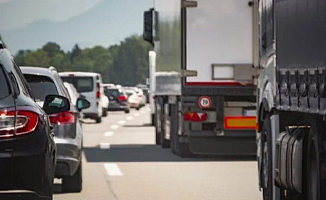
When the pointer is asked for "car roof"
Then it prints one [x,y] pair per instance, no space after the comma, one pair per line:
[79,74]
[38,71]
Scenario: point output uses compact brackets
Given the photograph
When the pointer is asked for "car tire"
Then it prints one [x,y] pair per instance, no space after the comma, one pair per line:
[127,111]
[98,120]
[104,112]
[138,107]
[73,183]
[153,119]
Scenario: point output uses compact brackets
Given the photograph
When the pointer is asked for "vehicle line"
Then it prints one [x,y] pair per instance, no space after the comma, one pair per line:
[108,134]
[114,126]
[112,169]
[104,145]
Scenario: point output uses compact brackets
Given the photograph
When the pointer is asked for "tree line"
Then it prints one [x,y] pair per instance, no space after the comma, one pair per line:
[125,63]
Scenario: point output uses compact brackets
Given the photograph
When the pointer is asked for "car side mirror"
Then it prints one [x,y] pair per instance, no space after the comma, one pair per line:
[55,104]
[82,104]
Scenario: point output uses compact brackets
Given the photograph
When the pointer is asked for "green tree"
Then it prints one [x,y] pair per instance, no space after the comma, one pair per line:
[51,48]
[37,58]
[76,51]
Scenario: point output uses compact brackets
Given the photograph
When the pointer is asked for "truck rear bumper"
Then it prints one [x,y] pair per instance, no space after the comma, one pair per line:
[210,144]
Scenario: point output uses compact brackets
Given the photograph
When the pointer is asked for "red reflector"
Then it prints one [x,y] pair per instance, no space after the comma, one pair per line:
[195,118]
[243,122]
[62,118]
[71,75]
[187,116]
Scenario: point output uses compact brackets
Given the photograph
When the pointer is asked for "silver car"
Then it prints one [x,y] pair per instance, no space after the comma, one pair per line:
[68,133]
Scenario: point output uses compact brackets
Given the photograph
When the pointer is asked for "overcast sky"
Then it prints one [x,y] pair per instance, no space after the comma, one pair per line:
[18,13]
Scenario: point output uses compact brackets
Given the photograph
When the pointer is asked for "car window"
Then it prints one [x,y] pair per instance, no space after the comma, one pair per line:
[113,92]
[41,86]
[82,84]
[4,89]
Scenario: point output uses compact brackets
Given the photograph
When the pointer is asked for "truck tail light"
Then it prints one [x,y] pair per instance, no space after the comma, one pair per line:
[62,118]
[26,122]
[195,117]
[122,98]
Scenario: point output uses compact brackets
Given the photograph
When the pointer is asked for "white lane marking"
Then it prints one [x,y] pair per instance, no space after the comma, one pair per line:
[129,118]
[108,134]
[114,127]
[112,169]
[121,122]
[136,114]
[104,145]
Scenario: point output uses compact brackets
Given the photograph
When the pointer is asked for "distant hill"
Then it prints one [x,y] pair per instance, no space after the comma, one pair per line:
[105,24]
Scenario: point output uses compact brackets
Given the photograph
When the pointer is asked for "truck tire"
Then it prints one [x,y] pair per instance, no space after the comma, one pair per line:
[267,159]
[313,180]
[153,119]
[73,183]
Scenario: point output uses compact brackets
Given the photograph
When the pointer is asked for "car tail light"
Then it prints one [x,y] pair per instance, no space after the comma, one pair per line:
[122,98]
[140,95]
[62,118]
[26,122]
[195,117]
[98,92]
[71,75]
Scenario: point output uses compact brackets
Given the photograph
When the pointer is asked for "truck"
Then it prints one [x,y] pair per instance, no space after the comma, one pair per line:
[291,99]
[206,69]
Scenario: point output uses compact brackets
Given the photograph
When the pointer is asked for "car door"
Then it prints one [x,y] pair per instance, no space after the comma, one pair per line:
[7,108]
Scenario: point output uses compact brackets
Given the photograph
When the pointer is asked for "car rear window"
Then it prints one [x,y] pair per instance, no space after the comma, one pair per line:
[112,92]
[41,86]
[4,89]
[82,84]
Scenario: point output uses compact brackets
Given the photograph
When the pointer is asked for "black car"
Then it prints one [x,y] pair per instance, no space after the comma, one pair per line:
[118,99]
[67,127]
[27,147]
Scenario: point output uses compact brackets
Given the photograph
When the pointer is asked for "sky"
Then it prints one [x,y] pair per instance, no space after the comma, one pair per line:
[29,24]
[19,13]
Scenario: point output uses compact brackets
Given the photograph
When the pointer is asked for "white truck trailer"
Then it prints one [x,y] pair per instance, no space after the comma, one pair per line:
[205,97]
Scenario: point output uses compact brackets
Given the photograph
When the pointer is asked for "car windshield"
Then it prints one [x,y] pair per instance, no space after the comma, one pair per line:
[82,84]
[4,89]
[41,86]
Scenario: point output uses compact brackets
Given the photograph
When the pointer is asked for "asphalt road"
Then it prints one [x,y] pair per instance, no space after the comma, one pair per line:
[121,162]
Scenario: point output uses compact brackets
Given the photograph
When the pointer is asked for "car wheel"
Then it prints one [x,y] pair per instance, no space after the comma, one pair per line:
[98,120]
[104,112]
[73,183]
[127,111]
[138,108]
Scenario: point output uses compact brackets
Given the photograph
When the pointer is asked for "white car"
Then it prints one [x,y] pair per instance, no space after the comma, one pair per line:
[133,99]
[89,85]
